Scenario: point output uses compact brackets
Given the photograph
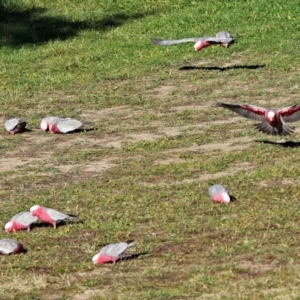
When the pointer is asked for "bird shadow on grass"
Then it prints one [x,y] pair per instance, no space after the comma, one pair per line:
[58,224]
[133,256]
[287,144]
[221,69]
[83,130]
[35,25]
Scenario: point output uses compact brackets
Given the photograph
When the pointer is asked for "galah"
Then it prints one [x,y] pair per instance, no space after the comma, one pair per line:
[223,38]
[8,246]
[47,121]
[49,215]
[14,125]
[219,193]
[22,220]
[59,125]
[65,125]
[272,120]
[111,252]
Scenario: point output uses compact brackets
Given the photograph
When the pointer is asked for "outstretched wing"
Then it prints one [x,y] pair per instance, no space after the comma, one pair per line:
[219,40]
[248,111]
[161,42]
[290,114]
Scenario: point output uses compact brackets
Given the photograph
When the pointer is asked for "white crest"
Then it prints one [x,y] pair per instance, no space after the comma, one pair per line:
[226,197]
[34,208]
[95,257]
[271,114]
[197,45]
[8,225]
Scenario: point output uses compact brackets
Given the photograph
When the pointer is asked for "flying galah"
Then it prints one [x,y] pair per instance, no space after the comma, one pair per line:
[49,215]
[14,125]
[223,38]
[22,220]
[111,253]
[272,120]
[219,193]
[59,125]
[8,246]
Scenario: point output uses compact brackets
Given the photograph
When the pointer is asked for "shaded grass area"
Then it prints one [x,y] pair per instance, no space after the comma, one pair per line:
[154,141]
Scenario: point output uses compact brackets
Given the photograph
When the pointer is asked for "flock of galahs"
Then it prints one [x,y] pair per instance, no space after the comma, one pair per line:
[52,124]
[24,221]
[272,121]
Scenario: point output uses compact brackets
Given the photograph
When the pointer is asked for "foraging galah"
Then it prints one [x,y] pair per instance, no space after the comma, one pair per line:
[14,125]
[219,193]
[59,125]
[272,120]
[49,215]
[111,252]
[223,38]
[8,246]
[65,126]
[46,122]
[22,220]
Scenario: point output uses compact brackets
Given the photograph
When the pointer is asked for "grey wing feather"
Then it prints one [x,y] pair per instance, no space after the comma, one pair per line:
[162,42]
[68,125]
[282,129]
[294,117]
[8,246]
[116,249]
[57,215]
[52,119]
[216,189]
[11,124]
[245,112]
[25,218]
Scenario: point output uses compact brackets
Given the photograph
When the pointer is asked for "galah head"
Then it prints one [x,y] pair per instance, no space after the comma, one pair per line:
[271,115]
[226,198]
[34,209]
[44,125]
[9,226]
[96,258]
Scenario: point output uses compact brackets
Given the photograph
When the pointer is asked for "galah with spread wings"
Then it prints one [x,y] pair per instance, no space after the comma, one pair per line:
[49,215]
[15,125]
[111,252]
[223,38]
[219,193]
[273,121]
[22,220]
[8,246]
[60,125]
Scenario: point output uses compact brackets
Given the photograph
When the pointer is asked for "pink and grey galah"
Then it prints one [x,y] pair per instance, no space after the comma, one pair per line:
[223,38]
[49,215]
[273,121]
[219,193]
[8,246]
[59,125]
[21,221]
[15,125]
[111,253]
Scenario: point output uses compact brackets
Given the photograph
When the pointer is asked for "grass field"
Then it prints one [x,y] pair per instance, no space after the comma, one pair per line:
[153,142]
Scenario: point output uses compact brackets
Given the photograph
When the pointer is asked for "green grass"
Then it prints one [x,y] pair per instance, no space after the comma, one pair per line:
[154,141]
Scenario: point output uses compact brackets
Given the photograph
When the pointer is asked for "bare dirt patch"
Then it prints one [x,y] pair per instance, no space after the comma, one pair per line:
[162,91]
